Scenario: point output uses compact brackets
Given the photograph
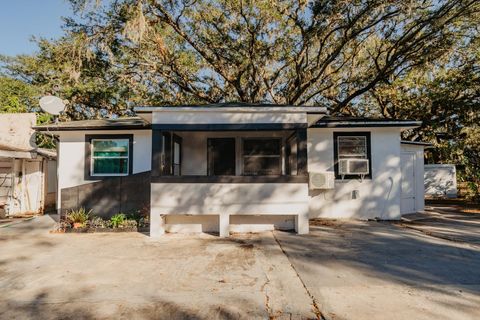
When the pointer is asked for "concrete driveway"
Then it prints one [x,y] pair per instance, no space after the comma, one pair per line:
[340,271]
[372,270]
[446,222]
[130,276]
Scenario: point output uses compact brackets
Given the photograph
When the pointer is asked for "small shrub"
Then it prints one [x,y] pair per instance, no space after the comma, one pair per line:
[143,222]
[61,227]
[97,222]
[117,220]
[129,223]
[78,217]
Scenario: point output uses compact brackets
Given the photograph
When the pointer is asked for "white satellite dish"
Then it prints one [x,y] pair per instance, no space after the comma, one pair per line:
[51,104]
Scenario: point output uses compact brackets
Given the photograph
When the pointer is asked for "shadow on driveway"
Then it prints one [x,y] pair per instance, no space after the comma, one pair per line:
[372,270]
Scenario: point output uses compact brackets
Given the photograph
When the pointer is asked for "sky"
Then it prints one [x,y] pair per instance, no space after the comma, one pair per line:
[22,19]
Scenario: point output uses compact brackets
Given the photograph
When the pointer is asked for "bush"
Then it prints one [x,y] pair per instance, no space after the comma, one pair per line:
[97,222]
[129,224]
[78,216]
[118,220]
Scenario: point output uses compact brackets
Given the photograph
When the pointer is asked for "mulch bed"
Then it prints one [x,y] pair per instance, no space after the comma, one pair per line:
[102,230]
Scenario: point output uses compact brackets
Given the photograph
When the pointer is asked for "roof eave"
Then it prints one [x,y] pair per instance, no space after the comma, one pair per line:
[245,109]
[82,128]
[367,124]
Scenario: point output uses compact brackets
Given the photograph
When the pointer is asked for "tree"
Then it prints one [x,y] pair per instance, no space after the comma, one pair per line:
[295,52]
[16,96]
[445,96]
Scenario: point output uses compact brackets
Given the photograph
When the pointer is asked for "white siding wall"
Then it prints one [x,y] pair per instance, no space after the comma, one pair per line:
[226,117]
[378,197]
[441,180]
[229,198]
[71,154]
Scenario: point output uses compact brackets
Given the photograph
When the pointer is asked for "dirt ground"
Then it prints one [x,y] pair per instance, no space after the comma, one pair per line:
[341,270]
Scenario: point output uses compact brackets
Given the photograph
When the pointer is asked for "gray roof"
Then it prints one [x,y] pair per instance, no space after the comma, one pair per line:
[355,122]
[101,124]
[417,143]
[48,153]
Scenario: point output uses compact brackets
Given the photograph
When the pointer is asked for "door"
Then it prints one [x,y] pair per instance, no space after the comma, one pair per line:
[407,204]
[221,156]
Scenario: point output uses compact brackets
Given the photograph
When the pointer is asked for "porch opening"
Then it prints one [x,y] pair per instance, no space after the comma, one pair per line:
[189,154]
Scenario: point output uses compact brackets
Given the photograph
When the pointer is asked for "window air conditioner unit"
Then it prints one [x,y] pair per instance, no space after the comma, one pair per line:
[353,166]
[321,180]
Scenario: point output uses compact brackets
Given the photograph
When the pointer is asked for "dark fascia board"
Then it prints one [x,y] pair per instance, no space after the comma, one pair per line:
[229,179]
[230,126]
[366,124]
[417,143]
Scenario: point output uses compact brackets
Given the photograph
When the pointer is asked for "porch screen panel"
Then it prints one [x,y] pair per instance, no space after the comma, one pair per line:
[110,157]
[262,157]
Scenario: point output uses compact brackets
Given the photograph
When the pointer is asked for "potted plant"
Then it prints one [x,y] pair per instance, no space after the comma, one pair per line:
[78,218]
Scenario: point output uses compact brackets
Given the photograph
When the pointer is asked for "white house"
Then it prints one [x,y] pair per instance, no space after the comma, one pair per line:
[237,167]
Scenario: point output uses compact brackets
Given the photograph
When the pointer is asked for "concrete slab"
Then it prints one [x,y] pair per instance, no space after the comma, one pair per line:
[371,270]
[131,276]
[446,222]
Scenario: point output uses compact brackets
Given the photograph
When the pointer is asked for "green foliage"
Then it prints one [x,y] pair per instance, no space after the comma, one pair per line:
[445,96]
[16,96]
[80,215]
[136,52]
[97,222]
[117,220]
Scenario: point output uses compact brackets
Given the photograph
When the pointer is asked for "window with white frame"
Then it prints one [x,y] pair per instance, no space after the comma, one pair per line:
[110,157]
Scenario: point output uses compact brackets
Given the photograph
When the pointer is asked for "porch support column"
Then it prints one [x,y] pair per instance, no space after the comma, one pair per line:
[157,225]
[224,225]
[157,147]
[302,156]
[301,223]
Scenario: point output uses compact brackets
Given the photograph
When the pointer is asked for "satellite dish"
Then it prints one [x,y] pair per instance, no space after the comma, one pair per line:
[51,104]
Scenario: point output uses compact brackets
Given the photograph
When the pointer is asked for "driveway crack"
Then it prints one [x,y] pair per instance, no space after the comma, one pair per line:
[316,309]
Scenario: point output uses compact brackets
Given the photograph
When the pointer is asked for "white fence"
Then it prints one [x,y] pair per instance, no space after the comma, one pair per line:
[441,180]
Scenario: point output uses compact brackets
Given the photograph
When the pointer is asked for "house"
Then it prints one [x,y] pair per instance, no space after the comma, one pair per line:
[27,173]
[238,167]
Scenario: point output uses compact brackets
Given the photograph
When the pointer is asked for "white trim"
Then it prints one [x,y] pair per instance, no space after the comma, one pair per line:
[92,158]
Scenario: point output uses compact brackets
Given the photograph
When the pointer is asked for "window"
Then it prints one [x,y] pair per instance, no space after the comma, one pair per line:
[352,145]
[108,155]
[262,157]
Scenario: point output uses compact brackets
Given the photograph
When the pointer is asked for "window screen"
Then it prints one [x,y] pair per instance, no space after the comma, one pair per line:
[262,157]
